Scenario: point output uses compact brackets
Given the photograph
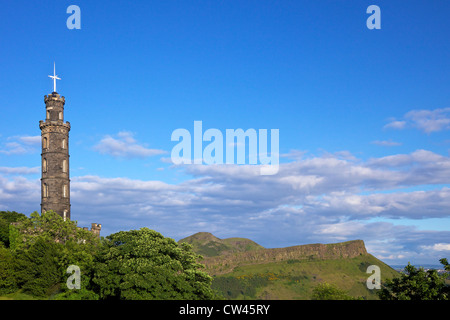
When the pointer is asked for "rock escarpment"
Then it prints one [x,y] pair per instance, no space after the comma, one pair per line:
[229,259]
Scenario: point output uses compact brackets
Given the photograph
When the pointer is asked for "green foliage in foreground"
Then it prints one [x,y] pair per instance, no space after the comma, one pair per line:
[41,249]
[142,264]
[137,264]
[6,217]
[418,284]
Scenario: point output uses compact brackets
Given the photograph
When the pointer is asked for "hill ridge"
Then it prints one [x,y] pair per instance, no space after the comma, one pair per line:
[255,272]
[222,255]
[208,245]
[308,252]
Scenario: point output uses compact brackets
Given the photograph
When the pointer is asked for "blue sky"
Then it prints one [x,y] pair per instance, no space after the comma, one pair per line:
[363,117]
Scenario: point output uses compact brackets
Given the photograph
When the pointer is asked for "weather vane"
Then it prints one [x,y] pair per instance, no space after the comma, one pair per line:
[54,77]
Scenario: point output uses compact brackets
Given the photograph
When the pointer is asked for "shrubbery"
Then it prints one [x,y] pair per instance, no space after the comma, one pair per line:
[138,264]
[35,253]
[418,284]
[232,287]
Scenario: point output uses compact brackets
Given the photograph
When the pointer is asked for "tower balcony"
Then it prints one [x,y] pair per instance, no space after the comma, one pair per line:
[58,123]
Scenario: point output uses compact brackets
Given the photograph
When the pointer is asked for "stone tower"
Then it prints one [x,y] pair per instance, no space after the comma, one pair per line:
[55,181]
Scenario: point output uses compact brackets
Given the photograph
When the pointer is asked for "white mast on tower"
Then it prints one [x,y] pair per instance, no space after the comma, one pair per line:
[54,77]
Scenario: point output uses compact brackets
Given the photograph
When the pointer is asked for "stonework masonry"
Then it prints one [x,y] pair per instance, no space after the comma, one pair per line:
[55,181]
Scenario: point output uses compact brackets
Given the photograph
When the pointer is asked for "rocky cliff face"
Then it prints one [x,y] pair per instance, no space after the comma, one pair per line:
[341,250]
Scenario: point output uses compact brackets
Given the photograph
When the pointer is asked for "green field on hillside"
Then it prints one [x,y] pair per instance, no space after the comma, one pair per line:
[296,279]
[237,275]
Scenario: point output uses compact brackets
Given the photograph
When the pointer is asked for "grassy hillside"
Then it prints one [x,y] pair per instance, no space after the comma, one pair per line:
[242,269]
[295,279]
[207,245]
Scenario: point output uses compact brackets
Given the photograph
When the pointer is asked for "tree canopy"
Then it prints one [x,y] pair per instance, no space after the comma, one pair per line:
[35,254]
[136,264]
[41,249]
[6,217]
[417,284]
[143,264]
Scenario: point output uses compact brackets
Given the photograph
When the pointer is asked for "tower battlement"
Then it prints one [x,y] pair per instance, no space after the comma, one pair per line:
[54,125]
[96,228]
[54,96]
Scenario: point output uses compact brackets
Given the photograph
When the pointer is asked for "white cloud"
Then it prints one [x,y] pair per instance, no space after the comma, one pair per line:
[430,120]
[438,247]
[427,121]
[312,199]
[395,124]
[30,140]
[19,170]
[20,194]
[124,145]
[21,145]
[386,143]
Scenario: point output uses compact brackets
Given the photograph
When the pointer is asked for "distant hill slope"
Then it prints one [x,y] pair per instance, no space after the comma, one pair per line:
[242,269]
[208,245]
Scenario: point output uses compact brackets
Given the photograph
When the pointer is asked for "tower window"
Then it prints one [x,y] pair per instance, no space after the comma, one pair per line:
[44,143]
[64,166]
[65,191]
[48,115]
[63,143]
[44,165]
[60,115]
[65,215]
[45,190]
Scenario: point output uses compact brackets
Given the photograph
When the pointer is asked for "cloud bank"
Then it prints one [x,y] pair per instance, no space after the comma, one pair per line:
[125,145]
[427,121]
[312,199]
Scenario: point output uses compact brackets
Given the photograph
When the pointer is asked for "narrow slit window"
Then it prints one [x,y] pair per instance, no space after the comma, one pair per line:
[44,165]
[64,166]
[45,190]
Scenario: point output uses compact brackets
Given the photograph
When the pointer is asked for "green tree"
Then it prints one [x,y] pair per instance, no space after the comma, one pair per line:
[6,218]
[445,263]
[326,291]
[417,284]
[8,282]
[36,268]
[49,226]
[142,264]
[43,247]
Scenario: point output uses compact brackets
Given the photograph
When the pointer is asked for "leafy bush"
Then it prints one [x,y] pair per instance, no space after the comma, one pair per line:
[41,249]
[7,277]
[417,284]
[142,264]
[138,264]
[6,217]
[326,291]
[232,287]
